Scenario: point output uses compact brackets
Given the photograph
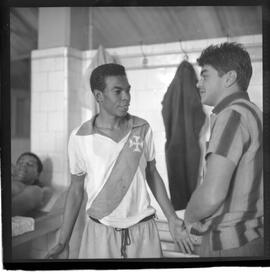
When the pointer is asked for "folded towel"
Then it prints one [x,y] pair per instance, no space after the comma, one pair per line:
[22,224]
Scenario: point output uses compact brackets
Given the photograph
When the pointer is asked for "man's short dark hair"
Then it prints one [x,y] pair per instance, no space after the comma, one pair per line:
[39,163]
[98,75]
[226,57]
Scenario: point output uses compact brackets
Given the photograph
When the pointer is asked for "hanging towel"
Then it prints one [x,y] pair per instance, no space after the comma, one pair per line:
[183,118]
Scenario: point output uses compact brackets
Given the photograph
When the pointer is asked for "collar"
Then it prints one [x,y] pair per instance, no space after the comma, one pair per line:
[228,100]
[88,128]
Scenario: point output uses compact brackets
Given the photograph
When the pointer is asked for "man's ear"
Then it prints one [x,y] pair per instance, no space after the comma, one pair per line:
[98,95]
[231,78]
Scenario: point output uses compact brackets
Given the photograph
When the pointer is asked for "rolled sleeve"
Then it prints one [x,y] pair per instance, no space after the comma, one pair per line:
[76,162]
[150,153]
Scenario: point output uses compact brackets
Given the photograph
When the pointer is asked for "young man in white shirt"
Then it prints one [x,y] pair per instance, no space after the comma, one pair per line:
[112,156]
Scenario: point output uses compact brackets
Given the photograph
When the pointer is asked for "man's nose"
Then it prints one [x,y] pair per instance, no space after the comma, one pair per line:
[125,95]
[23,164]
[199,83]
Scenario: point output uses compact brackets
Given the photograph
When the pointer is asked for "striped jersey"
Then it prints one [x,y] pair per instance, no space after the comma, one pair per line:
[236,134]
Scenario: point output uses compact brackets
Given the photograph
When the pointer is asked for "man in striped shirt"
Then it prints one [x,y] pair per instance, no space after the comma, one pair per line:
[228,205]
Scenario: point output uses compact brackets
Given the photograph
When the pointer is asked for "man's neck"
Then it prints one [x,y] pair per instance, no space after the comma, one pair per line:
[105,121]
[227,93]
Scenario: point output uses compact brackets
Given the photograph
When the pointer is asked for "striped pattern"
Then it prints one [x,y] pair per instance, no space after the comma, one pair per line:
[237,135]
[228,134]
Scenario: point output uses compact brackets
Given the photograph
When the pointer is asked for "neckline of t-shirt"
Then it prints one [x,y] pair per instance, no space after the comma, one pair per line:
[97,132]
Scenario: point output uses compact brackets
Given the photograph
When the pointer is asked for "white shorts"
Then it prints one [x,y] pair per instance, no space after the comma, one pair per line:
[138,241]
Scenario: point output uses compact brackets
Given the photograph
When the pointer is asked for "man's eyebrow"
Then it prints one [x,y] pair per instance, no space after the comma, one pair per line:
[118,87]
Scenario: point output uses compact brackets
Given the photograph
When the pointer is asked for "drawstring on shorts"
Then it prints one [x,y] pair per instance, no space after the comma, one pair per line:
[125,237]
[125,240]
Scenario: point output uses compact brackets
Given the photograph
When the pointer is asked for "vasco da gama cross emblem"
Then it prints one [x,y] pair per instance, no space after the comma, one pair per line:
[135,141]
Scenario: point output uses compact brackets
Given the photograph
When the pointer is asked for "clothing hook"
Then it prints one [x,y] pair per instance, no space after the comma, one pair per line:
[183,51]
[145,60]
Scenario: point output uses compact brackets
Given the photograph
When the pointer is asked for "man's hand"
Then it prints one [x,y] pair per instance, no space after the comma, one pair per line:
[59,251]
[180,235]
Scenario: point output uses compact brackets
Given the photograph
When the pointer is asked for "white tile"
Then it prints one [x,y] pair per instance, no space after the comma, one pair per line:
[39,122]
[162,169]
[57,102]
[56,81]
[159,140]
[46,64]
[57,161]
[59,63]
[56,121]
[34,141]
[138,100]
[60,179]
[137,79]
[35,101]
[60,141]
[47,142]
[39,82]
[35,66]
[155,120]
[45,53]
[45,101]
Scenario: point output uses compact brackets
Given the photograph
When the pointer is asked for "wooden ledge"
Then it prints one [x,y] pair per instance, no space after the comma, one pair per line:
[45,222]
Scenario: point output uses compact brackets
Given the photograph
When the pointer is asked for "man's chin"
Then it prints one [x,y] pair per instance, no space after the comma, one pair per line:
[20,177]
[122,114]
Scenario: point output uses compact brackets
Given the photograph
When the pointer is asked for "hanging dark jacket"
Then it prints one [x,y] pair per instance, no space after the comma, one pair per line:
[183,118]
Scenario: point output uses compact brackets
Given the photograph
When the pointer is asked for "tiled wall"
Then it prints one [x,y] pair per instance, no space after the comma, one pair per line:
[54,108]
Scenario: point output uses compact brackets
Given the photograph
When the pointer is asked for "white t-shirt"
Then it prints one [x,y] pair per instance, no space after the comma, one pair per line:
[95,155]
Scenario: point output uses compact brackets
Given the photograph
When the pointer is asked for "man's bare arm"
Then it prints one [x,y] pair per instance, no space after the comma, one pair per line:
[209,196]
[176,227]
[72,206]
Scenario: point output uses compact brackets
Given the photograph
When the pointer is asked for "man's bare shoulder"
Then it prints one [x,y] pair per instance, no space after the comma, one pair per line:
[17,187]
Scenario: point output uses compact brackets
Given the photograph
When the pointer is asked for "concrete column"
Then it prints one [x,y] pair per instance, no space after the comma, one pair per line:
[63,26]
[56,74]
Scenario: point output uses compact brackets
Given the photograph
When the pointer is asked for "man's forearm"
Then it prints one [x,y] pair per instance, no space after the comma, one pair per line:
[159,191]
[72,206]
[208,197]
[199,206]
